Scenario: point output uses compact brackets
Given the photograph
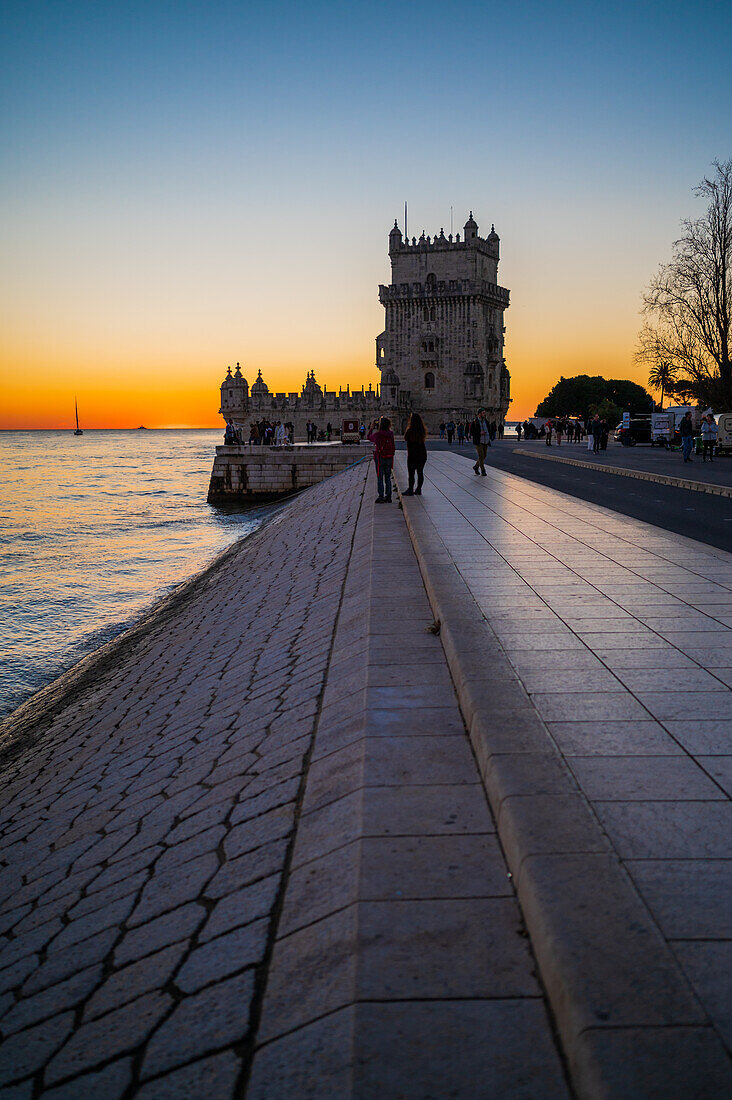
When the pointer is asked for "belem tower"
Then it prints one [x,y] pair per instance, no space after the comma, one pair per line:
[440,354]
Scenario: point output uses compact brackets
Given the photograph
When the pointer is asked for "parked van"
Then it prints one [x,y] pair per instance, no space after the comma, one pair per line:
[724,434]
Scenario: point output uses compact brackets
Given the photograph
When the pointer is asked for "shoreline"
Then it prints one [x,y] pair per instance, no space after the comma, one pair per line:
[43,704]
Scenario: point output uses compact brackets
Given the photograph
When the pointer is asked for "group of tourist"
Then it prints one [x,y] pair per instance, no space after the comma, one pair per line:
[313,434]
[558,428]
[450,430]
[262,433]
[480,431]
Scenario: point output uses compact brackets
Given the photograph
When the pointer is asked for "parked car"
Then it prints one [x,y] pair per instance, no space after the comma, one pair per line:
[639,431]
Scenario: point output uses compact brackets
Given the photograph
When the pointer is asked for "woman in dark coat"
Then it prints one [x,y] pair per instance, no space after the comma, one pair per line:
[415,437]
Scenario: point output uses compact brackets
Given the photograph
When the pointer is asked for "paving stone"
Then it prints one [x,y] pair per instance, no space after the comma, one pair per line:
[225,955]
[150,973]
[111,1083]
[247,869]
[118,1032]
[642,778]
[173,927]
[261,830]
[97,920]
[613,738]
[690,899]
[50,1002]
[174,887]
[205,1022]
[669,1063]
[432,867]
[62,964]
[27,1051]
[241,907]
[719,768]
[210,1077]
[668,830]
[708,966]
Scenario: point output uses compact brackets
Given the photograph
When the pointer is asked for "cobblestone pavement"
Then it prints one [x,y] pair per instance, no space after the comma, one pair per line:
[147,824]
[621,636]
[401,967]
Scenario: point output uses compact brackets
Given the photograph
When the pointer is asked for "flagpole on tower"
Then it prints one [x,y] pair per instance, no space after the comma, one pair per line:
[406,235]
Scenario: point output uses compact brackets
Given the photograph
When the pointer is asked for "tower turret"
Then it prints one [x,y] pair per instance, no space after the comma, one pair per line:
[395,239]
[470,229]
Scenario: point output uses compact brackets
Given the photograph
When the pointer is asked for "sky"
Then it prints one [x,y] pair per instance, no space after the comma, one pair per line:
[185,185]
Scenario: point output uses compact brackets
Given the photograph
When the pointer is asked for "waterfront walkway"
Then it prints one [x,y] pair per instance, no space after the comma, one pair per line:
[247,850]
[593,658]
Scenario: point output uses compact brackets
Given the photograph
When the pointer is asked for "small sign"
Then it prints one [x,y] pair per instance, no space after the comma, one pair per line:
[350,431]
[626,419]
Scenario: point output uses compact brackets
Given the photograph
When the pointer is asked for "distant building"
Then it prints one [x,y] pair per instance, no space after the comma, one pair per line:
[441,352]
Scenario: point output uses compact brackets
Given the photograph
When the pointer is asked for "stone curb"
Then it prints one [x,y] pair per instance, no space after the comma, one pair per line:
[603,961]
[642,475]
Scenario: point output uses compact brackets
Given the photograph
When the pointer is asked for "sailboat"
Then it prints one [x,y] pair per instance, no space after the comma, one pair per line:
[78,429]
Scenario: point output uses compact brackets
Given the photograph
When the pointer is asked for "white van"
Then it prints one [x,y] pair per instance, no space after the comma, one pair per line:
[724,434]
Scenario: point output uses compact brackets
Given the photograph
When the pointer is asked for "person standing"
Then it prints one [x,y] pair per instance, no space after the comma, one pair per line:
[383,441]
[709,436]
[450,429]
[415,437]
[549,427]
[480,434]
[519,428]
[559,430]
[686,429]
[442,430]
[461,433]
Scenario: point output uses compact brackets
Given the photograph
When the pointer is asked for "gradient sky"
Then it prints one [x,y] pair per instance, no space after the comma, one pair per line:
[188,184]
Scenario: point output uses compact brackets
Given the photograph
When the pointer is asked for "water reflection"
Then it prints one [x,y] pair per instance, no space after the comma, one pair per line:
[94,529]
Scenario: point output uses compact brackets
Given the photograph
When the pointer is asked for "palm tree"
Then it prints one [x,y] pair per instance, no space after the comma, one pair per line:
[662,377]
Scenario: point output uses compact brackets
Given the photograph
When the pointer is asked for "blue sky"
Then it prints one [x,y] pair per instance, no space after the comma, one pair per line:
[169,167]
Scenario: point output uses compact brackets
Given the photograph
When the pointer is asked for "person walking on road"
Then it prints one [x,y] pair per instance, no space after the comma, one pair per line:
[383,441]
[596,430]
[686,428]
[480,434]
[415,437]
[709,436]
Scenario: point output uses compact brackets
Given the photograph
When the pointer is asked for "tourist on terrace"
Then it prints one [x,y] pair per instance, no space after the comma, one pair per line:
[415,437]
[383,441]
[461,433]
[686,428]
[709,437]
[480,434]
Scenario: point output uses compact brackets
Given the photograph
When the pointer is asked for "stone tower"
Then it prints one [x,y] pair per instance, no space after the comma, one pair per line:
[443,340]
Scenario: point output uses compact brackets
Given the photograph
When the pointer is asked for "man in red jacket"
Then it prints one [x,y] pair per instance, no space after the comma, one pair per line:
[383,441]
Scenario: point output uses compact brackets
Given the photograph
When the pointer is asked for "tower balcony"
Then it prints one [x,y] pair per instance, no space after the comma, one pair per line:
[447,288]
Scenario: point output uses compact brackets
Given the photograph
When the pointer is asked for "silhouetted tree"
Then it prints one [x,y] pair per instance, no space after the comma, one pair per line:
[689,302]
[586,393]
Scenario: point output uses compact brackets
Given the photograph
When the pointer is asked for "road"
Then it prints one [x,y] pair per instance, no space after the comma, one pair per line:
[700,516]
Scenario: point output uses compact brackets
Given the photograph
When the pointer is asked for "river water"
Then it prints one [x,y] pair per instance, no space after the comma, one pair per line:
[94,529]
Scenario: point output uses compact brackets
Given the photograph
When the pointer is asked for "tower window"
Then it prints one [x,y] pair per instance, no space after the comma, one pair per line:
[433,314]
[429,380]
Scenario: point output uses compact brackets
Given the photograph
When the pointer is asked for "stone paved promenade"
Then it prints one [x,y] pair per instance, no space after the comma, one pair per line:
[247,851]
[593,658]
